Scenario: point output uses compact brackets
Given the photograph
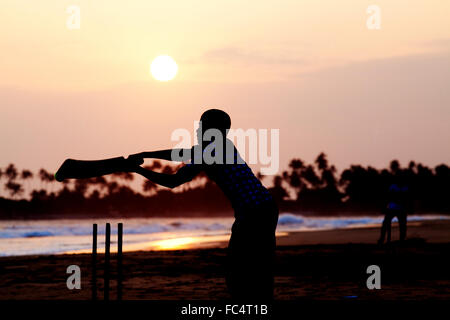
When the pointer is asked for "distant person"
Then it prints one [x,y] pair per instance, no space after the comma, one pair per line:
[251,249]
[397,206]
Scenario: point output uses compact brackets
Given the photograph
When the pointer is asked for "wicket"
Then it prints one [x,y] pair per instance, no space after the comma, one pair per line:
[106,274]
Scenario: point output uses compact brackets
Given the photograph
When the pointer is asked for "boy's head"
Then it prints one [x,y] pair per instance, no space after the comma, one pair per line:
[215,119]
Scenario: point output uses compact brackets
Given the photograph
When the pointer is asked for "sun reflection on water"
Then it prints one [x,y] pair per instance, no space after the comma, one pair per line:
[174,244]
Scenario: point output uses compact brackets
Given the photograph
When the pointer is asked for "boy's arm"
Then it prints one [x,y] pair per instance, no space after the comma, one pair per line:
[183,175]
[168,154]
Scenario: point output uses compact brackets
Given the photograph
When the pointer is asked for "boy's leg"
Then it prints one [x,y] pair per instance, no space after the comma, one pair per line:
[402,225]
[251,254]
[383,229]
[388,228]
[250,270]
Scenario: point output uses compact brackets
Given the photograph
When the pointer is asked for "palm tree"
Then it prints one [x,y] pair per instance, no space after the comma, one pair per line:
[100,182]
[278,192]
[14,188]
[11,172]
[26,175]
[310,178]
[46,177]
[149,186]
[327,172]
[81,186]
[294,176]
[11,186]
[127,176]
[394,166]
[112,187]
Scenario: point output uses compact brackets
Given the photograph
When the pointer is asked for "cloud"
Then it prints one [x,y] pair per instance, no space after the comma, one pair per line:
[441,44]
[240,56]
[400,82]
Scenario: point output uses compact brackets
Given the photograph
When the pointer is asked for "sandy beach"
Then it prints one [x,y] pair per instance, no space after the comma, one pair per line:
[323,265]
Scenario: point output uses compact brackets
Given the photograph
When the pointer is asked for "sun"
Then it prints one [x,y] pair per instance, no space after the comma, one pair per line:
[164,68]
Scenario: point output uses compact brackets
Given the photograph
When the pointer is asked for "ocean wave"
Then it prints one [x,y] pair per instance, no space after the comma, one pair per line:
[288,218]
[286,222]
[292,222]
[53,229]
[37,234]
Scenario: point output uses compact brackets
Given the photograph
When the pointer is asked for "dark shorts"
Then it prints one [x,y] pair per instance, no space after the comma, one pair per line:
[251,253]
[390,214]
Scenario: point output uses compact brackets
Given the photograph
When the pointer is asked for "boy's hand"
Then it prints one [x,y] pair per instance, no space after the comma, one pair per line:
[136,158]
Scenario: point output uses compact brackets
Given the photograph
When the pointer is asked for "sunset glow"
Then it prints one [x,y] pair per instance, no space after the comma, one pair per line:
[174,244]
[311,68]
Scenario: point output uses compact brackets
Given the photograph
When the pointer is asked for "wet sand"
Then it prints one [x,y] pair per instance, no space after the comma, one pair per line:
[319,265]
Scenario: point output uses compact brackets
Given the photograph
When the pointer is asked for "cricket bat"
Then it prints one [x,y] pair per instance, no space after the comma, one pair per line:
[79,169]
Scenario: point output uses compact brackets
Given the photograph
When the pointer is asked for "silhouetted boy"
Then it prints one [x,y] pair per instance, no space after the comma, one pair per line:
[252,244]
[397,206]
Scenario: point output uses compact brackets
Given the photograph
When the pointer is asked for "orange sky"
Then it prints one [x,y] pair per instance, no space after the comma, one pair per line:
[310,68]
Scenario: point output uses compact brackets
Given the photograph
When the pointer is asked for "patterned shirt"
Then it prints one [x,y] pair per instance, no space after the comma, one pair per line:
[236,180]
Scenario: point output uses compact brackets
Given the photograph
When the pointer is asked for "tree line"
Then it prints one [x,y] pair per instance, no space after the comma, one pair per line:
[308,188]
